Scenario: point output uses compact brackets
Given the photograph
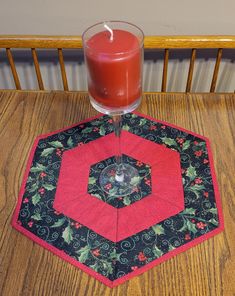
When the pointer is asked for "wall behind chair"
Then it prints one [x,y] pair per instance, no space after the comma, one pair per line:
[166,17]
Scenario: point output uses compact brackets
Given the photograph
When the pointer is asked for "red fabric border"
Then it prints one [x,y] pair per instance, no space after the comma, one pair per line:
[170,254]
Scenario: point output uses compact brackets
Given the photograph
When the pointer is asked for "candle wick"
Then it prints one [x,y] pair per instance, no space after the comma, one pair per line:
[110,31]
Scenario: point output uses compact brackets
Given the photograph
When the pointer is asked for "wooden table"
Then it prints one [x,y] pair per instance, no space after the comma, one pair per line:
[28,269]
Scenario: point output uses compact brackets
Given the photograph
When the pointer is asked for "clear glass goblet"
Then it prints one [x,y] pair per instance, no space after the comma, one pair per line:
[113,52]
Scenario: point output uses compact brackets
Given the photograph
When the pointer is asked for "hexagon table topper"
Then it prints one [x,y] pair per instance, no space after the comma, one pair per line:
[60,208]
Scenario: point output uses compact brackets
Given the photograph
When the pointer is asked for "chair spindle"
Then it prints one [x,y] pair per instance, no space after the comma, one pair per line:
[62,68]
[216,70]
[13,68]
[37,69]
[190,71]
[164,73]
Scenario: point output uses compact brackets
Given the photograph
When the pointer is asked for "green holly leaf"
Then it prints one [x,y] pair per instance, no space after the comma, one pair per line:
[70,142]
[56,144]
[102,130]
[189,211]
[95,266]
[49,187]
[47,151]
[30,179]
[68,234]
[126,200]
[112,192]
[135,180]
[114,255]
[59,222]
[214,222]
[213,211]
[33,187]
[125,127]
[196,189]
[191,172]
[108,267]
[87,130]
[38,168]
[158,229]
[96,122]
[142,121]
[36,198]
[133,115]
[186,145]
[83,254]
[191,226]
[92,181]
[169,141]
[157,252]
[171,247]
[37,217]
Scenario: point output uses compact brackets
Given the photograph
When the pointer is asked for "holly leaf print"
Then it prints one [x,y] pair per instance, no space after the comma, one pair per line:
[49,187]
[36,198]
[95,266]
[102,130]
[47,151]
[68,234]
[108,267]
[30,179]
[157,252]
[189,211]
[213,221]
[33,187]
[70,142]
[142,121]
[191,172]
[125,127]
[38,168]
[92,181]
[189,226]
[87,130]
[158,229]
[196,189]
[186,145]
[213,211]
[114,255]
[126,200]
[169,141]
[36,217]
[56,144]
[83,254]
[135,180]
[59,223]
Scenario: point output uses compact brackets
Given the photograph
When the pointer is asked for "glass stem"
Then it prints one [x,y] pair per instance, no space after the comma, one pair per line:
[117,124]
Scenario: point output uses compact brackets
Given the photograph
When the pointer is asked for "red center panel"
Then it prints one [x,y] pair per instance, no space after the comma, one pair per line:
[73,200]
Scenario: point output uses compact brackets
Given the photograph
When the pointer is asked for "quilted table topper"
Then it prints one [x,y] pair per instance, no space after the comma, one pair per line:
[175,206]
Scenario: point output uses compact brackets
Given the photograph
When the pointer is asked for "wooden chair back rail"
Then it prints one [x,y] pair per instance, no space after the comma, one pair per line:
[150,42]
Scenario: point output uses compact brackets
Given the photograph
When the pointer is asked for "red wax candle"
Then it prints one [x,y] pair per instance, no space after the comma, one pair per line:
[114,68]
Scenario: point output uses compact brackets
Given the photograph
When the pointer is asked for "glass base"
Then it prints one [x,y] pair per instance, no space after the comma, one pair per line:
[119,181]
[115,110]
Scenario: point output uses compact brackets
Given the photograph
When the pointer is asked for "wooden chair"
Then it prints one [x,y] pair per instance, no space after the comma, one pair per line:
[167,43]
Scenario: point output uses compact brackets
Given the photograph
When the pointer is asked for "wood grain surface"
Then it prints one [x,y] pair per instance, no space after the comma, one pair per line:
[28,269]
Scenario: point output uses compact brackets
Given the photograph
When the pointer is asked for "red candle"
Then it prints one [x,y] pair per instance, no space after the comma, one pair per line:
[114,63]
